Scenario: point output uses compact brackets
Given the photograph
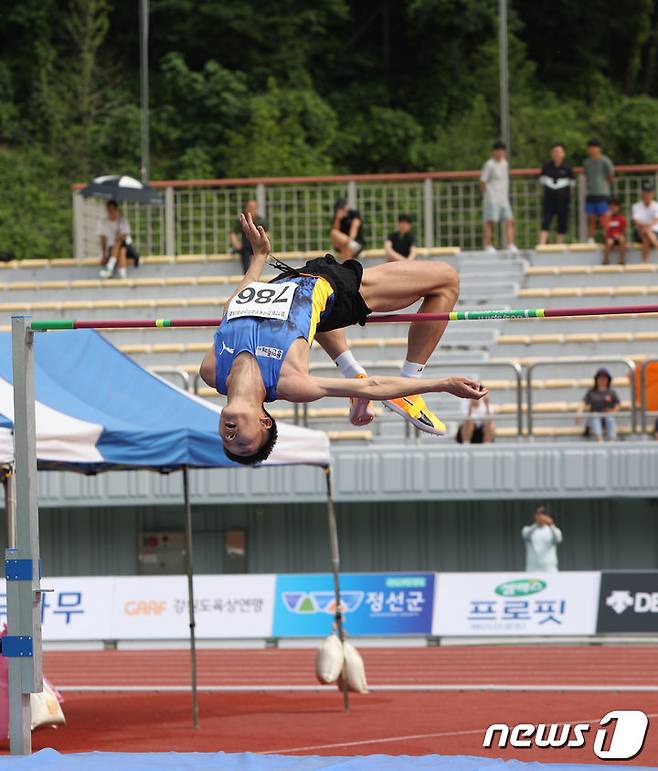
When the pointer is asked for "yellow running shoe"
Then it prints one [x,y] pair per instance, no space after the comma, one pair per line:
[414,409]
[361,412]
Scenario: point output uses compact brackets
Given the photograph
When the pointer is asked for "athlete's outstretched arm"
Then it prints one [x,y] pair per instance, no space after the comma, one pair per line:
[310,389]
[378,387]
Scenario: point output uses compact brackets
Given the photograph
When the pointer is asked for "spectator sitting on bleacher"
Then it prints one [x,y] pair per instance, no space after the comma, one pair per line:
[645,219]
[601,398]
[557,179]
[400,244]
[615,233]
[114,235]
[239,242]
[477,429]
[346,231]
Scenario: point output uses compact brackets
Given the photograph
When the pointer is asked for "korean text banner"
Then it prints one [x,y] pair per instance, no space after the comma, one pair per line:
[154,607]
[516,603]
[372,604]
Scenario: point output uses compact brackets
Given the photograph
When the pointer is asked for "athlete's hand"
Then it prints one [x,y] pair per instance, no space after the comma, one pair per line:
[465,388]
[258,238]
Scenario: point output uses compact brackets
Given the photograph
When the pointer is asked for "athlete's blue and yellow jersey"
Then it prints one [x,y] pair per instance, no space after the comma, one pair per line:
[267,339]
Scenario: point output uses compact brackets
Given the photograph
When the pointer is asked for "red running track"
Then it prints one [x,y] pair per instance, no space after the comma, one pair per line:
[414,723]
[546,665]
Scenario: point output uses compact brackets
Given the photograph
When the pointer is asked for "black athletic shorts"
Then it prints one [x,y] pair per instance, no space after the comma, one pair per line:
[560,210]
[348,307]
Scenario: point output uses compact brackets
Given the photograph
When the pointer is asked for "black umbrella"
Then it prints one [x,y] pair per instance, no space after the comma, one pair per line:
[121,188]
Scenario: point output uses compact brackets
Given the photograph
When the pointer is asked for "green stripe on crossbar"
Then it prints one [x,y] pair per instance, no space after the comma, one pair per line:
[56,324]
[530,313]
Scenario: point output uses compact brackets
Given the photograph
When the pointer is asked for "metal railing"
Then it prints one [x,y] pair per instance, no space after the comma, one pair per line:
[196,216]
[628,363]
[523,382]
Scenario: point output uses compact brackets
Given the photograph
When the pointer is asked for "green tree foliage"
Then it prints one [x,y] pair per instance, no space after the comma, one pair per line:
[288,87]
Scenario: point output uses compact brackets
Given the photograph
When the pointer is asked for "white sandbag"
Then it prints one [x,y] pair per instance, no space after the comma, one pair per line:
[45,708]
[329,660]
[355,670]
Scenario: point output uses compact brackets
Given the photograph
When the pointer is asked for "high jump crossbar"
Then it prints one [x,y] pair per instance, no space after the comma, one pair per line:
[484,315]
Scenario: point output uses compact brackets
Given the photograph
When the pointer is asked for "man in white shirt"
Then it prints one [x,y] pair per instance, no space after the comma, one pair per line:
[541,541]
[113,232]
[645,219]
[494,185]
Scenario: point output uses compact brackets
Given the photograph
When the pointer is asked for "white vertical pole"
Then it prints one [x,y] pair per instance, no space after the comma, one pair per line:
[22,645]
[582,216]
[428,213]
[261,200]
[170,232]
[78,226]
[352,197]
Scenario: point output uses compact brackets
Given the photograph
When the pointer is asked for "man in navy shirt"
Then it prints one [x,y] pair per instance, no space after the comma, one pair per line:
[557,179]
[400,244]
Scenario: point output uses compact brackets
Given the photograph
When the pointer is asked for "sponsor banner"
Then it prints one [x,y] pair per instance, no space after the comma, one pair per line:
[628,602]
[372,604]
[77,609]
[516,603]
[156,607]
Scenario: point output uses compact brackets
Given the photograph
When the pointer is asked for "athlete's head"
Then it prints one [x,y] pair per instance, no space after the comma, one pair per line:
[248,436]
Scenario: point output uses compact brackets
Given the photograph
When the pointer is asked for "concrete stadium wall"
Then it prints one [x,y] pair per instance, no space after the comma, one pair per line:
[423,535]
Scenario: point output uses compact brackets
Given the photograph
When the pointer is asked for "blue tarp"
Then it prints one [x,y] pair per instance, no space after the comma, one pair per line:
[97,409]
[49,760]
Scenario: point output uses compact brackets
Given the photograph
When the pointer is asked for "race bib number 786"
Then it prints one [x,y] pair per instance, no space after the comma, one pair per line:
[269,301]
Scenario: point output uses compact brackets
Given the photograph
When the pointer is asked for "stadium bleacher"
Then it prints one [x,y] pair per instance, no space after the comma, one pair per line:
[198,286]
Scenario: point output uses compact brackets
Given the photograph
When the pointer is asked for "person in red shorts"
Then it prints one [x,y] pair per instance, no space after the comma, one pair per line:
[615,232]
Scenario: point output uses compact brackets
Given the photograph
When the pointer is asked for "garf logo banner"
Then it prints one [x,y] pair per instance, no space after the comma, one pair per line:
[619,735]
[516,603]
[628,602]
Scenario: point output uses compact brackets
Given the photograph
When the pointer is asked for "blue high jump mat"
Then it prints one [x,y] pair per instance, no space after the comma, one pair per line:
[50,760]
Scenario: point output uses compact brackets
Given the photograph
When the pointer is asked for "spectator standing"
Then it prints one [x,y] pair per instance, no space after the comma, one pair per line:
[239,242]
[494,185]
[346,231]
[114,235]
[645,219]
[478,428]
[557,179]
[599,173]
[601,398]
[615,233]
[400,244]
[541,541]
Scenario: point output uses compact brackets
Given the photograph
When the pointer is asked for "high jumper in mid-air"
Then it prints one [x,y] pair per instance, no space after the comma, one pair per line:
[261,349]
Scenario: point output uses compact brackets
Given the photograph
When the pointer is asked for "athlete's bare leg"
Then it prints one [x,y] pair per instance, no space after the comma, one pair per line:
[396,285]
